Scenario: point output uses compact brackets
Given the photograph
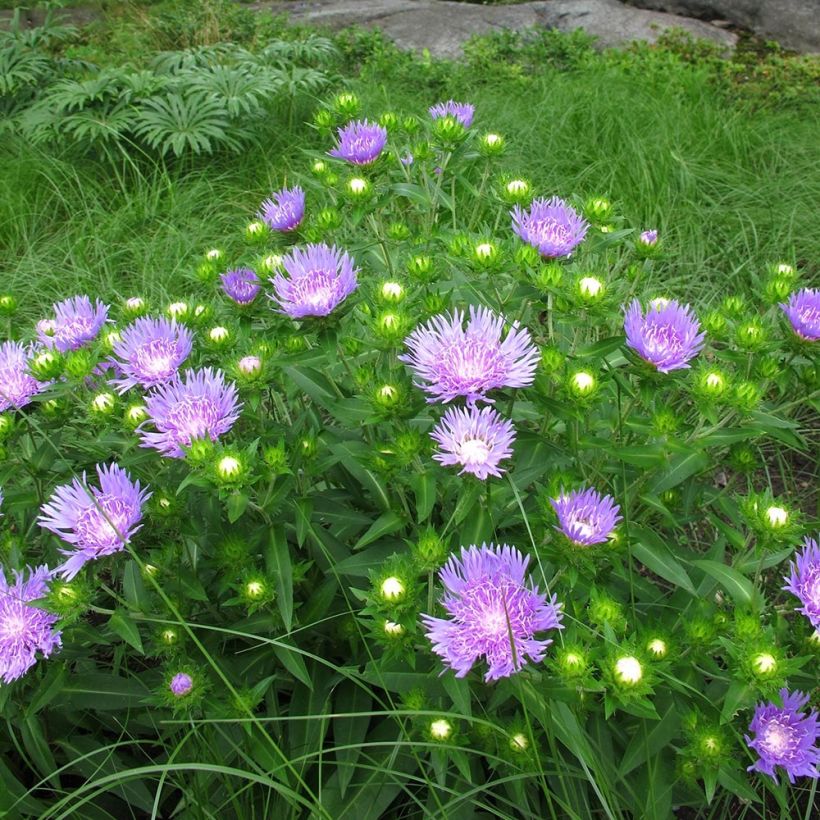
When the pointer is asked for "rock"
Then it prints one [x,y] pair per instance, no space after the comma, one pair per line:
[442,26]
[794,24]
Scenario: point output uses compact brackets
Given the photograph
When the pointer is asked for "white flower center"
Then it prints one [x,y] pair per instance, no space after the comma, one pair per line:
[474,451]
[776,739]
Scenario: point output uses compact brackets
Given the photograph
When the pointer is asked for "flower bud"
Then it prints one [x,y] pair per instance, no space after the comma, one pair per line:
[270,263]
[169,636]
[768,367]
[603,609]
[392,588]
[202,314]
[582,384]
[391,327]
[430,551]
[449,130]
[181,685]
[347,104]
[214,255]
[590,289]
[776,517]
[323,119]
[389,120]
[751,335]
[79,364]
[52,408]
[219,336]
[552,360]
[420,267]
[398,231]
[103,404]
[441,729]
[657,648]
[648,238]
[548,276]
[485,253]
[516,191]
[256,231]
[319,167]
[276,458]
[134,307]
[777,290]
[410,124]
[230,469]
[526,256]
[179,310]
[392,629]
[387,396]
[743,458]
[255,589]
[598,208]
[785,270]
[710,383]
[358,188]
[714,322]
[6,425]
[746,396]
[665,422]
[8,304]
[491,145]
[46,365]
[572,661]
[329,219]
[764,664]
[519,743]
[734,305]
[391,291]
[628,670]
[434,303]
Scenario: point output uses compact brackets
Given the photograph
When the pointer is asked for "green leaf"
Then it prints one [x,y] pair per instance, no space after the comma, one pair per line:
[738,586]
[350,731]
[236,506]
[651,551]
[385,524]
[279,565]
[424,489]
[415,193]
[643,748]
[738,696]
[459,691]
[352,455]
[640,455]
[122,625]
[303,509]
[133,588]
[39,749]
[51,686]
[293,661]
[103,692]
[601,348]
[681,467]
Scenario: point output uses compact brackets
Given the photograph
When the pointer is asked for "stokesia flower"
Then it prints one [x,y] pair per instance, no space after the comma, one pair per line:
[76,321]
[475,439]
[585,516]
[150,353]
[94,521]
[17,385]
[494,613]
[452,361]
[785,736]
[803,311]
[667,336]
[285,209]
[649,237]
[318,279]
[24,629]
[360,142]
[804,581]
[551,226]
[242,285]
[201,405]
[463,112]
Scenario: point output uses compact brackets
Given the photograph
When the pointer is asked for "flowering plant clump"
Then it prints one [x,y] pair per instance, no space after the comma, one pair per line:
[272,517]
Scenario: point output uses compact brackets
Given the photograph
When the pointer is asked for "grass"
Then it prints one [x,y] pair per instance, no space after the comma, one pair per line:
[729,189]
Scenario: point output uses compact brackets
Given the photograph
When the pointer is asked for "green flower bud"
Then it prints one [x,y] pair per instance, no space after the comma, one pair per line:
[590,289]
[347,104]
[319,167]
[103,404]
[777,290]
[392,629]
[552,360]
[270,264]
[179,310]
[389,120]
[516,191]
[387,396]
[751,335]
[8,304]
[46,365]
[526,256]
[784,270]
[440,730]
[598,208]
[519,743]
[219,337]
[491,145]
[714,322]
[581,384]
[603,609]
[256,231]
[110,339]
[398,231]
[743,458]
[665,422]
[449,130]
[308,446]
[485,254]
[230,469]
[323,119]
[329,219]
[134,307]
[548,277]
[420,267]
[430,551]
[410,124]
[572,661]
[358,188]
[746,396]
[628,670]
[734,305]
[768,367]
[657,648]
[434,303]
[711,383]
[391,291]
[392,589]
[276,458]
[214,256]
[79,364]
[6,425]
[391,327]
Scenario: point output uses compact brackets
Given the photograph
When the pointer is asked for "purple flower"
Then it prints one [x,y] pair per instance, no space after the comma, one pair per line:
[803,311]
[476,439]
[181,684]
[285,210]
[241,285]
[785,737]
[494,613]
[17,385]
[200,406]
[667,336]
[95,521]
[24,629]
[463,112]
[585,516]
[76,321]
[407,159]
[150,352]
[649,237]
[551,226]
[360,142]
[319,278]
[804,581]
[457,362]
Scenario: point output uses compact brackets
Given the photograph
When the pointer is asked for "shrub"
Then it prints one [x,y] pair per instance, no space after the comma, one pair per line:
[250,510]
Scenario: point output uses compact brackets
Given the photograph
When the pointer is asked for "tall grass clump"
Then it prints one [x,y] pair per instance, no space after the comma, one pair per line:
[428,492]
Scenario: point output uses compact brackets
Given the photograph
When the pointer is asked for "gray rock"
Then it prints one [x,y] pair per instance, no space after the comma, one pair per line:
[442,27]
[793,23]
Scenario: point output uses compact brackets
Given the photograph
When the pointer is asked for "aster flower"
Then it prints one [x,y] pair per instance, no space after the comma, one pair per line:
[318,279]
[494,613]
[463,112]
[242,285]
[181,684]
[804,581]
[803,311]
[285,209]
[585,516]
[94,521]
[17,385]
[649,237]
[785,736]
[452,361]
[150,353]
[475,439]
[667,336]
[551,226]
[360,142]
[24,629]
[200,405]
[76,321]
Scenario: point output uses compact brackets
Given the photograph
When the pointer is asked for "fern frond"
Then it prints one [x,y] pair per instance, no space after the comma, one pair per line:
[20,69]
[240,91]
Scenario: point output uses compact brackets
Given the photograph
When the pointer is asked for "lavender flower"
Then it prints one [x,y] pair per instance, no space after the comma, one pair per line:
[476,439]
[585,516]
[804,581]
[785,737]
[24,629]
[181,684]
[494,613]
[457,362]
[463,112]
[150,352]
[360,142]
[803,311]
[667,336]
[200,406]
[241,285]
[95,521]
[407,159]
[285,210]
[76,321]
[319,278]
[551,226]
[17,385]
[649,237]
